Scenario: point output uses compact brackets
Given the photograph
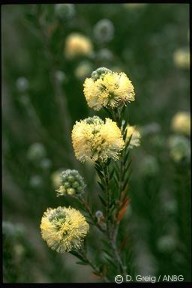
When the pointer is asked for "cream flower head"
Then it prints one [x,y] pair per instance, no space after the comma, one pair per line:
[135,136]
[93,139]
[108,89]
[181,123]
[77,44]
[63,229]
[181,58]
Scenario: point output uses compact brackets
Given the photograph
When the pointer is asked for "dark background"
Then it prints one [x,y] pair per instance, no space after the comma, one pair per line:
[39,108]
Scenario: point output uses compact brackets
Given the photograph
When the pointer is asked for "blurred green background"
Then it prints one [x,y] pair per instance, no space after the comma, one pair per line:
[42,97]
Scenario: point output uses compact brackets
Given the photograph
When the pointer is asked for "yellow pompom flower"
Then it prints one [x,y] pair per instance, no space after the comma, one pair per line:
[181,123]
[63,229]
[135,136]
[108,89]
[181,58]
[93,139]
[77,45]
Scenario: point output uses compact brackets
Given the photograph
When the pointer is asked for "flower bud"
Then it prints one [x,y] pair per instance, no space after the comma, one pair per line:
[99,73]
[101,219]
[64,11]
[99,214]
[104,31]
[179,147]
[45,163]
[36,181]
[66,184]
[62,190]
[104,55]
[22,84]
[75,184]
[71,191]
[71,183]
[60,76]
[36,152]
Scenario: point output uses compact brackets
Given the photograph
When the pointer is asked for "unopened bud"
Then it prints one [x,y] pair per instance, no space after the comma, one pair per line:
[104,30]
[99,72]
[64,11]
[99,214]
[71,183]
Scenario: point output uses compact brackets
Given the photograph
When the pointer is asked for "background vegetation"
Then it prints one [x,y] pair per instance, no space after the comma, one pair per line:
[42,97]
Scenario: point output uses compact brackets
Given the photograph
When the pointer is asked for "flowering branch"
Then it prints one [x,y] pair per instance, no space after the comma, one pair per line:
[106,144]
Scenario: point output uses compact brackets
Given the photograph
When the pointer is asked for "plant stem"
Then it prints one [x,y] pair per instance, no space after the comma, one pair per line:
[87,208]
[121,174]
[95,268]
[107,191]
[118,117]
[113,242]
[112,228]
